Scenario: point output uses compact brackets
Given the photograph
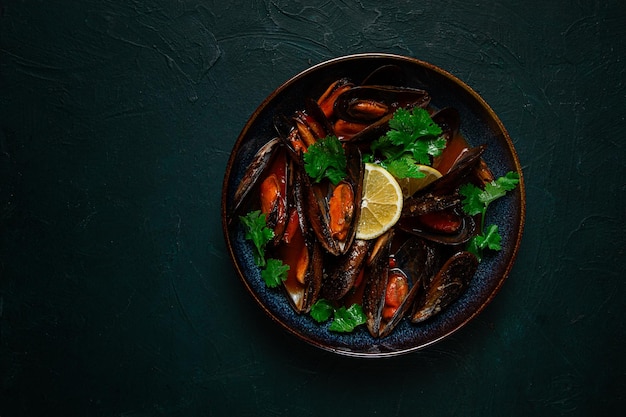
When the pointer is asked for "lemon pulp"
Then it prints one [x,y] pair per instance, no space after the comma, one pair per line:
[381,204]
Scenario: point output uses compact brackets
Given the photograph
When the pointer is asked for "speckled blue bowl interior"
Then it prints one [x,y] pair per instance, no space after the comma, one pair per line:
[479,125]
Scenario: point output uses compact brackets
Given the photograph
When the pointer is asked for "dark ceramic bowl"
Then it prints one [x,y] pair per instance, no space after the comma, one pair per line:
[479,125]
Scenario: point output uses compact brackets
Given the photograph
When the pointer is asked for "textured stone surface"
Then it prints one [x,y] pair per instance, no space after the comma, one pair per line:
[117,296]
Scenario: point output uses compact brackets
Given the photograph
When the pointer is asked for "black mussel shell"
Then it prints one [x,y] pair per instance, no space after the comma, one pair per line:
[302,296]
[445,208]
[344,270]
[458,175]
[389,97]
[446,286]
[251,177]
[316,198]
[375,283]
[416,260]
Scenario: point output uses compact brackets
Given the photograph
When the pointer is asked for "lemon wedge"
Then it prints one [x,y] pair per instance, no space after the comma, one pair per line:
[410,186]
[381,204]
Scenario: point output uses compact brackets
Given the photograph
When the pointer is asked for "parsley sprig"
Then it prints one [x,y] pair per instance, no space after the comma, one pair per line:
[326,159]
[258,232]
[413,138]
[345,320]
[273,271]
[476,201]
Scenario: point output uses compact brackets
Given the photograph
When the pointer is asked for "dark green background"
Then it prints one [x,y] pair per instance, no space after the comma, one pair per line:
[117,295]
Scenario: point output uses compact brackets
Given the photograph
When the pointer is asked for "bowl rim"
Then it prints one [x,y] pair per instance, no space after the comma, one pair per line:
[412,61]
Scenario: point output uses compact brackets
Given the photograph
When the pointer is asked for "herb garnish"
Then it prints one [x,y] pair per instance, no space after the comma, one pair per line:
[258,232]
[477,200]
[321,310]
[413,138]
[345,320]
[275,271]
[326,158]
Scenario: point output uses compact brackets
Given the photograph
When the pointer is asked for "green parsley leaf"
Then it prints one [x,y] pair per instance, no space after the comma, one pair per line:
[423,149]
[509,181]
[403,167]
[491,193]
[326,158]
[492,238]
[472,247]
[413,136]
[258,232]
[498,188]
[476,201]
[472,204]
[321,310]
[275,272]
[415,123]
[346,319]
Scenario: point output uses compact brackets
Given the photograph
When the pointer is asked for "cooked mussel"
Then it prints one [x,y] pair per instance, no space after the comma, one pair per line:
[368,103]
[446,286]
[462,171]
[257,168]
[394,280]
[327,100]
[376,274]
[303,128]
[437,218]
[267,179]
[303,254]
[344,271]
[333,210]
[435,212]
[363,133]
[412,265]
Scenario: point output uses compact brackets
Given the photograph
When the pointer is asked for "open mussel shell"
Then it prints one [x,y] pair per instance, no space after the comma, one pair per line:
[303,254]
[254,172]
[368,103]
[435,212]
[302,295]
[435,221]
[415,260]
[326,102]
[317,197]
[445,287]
[372,131]
[405,267]
[303,128]
[376,276]
[462,171]
[317,115]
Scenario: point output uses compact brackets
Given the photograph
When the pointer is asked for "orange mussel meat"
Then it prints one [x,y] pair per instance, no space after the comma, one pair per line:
[341,206]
